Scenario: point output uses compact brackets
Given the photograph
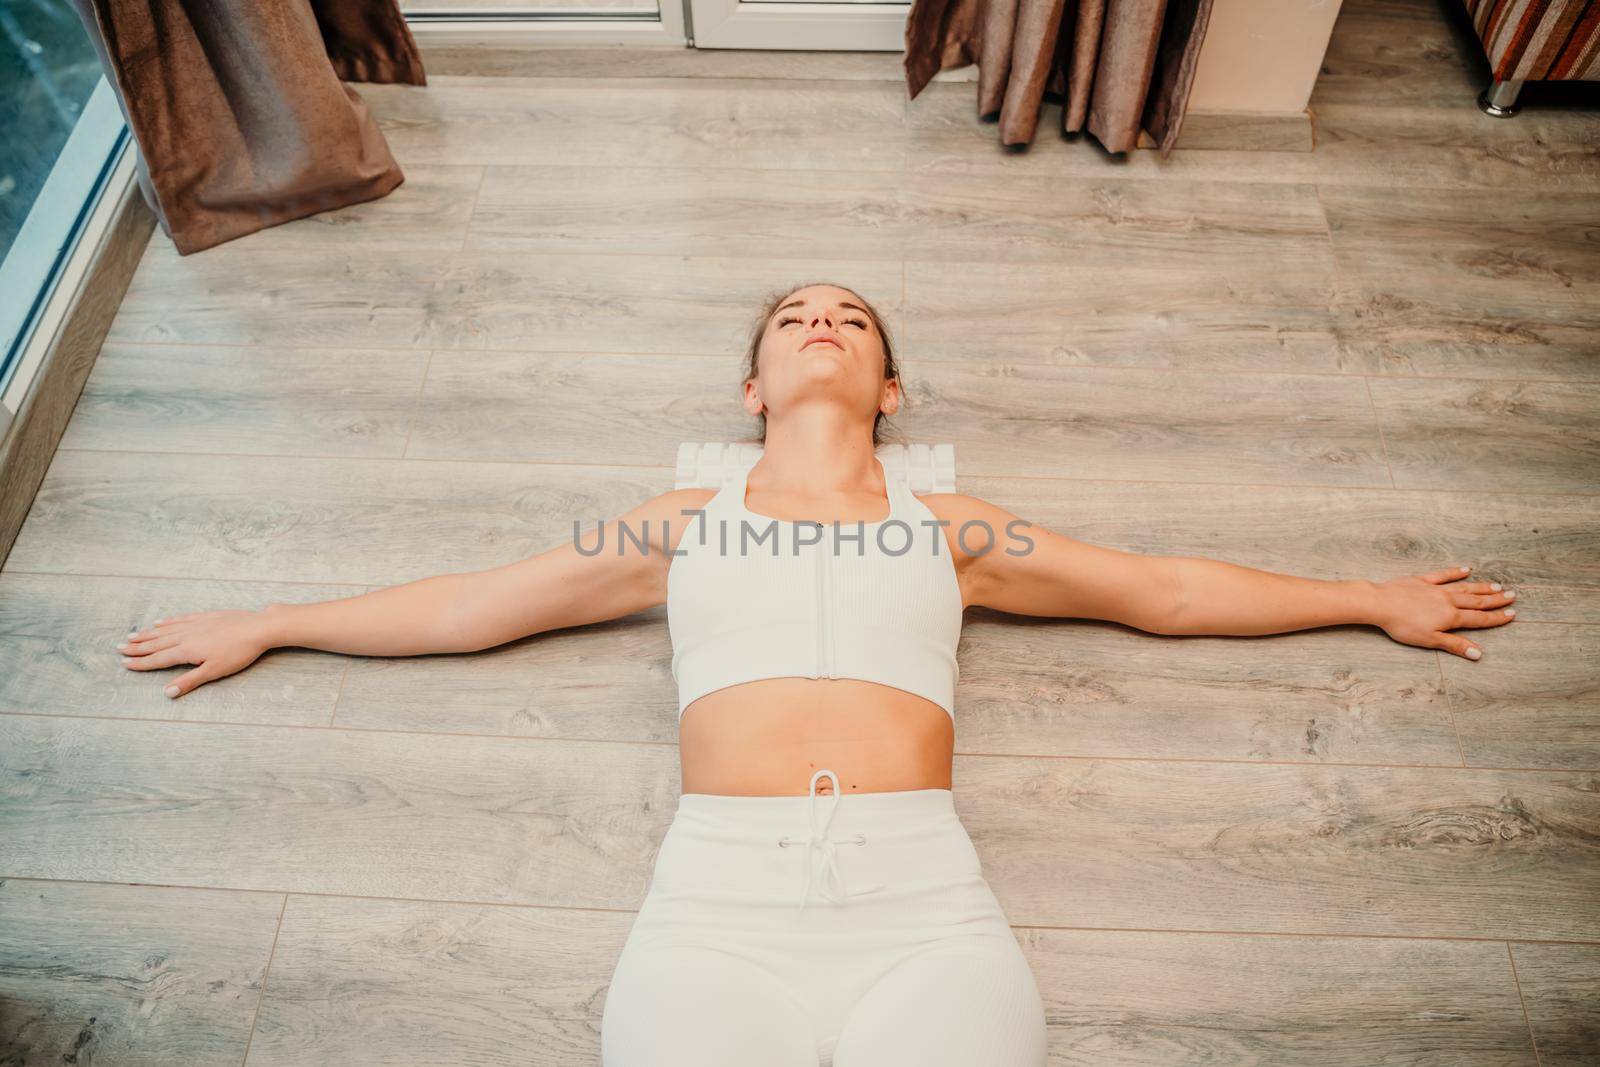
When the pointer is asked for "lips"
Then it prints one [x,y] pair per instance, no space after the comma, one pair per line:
[823,340]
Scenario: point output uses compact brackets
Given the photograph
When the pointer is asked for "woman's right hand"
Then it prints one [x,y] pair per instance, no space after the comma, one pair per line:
[220,643]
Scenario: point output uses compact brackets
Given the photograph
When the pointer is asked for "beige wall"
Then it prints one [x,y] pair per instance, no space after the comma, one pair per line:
[1262,55]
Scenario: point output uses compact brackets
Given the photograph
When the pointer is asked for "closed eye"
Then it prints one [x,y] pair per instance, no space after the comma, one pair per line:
[848,322]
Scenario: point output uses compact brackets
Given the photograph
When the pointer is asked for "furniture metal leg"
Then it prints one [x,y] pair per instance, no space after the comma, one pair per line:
[1500,98]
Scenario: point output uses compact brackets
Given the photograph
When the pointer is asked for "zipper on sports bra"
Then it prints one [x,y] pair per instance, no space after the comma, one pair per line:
[825,665]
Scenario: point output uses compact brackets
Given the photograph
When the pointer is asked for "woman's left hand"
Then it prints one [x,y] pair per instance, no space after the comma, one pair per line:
[1419,609]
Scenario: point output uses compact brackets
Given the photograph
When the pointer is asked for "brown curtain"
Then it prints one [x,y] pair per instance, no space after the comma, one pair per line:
[1114,65]
[239,107]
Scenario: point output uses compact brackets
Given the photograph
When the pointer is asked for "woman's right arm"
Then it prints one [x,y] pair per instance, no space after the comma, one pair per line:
[462,612]
[475,610]
[567,587]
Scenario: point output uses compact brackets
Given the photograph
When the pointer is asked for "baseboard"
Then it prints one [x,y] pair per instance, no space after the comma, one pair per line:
[69,355]
[1241,131]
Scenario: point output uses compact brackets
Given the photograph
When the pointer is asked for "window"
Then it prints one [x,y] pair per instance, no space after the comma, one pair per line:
[59,133]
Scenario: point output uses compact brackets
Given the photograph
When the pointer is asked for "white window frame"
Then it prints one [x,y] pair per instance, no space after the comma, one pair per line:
[846,27]
[823,27]
[646,29]
[60,240]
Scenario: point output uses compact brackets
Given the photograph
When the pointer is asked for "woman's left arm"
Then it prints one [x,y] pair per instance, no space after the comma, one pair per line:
[1224,598]
[1032,570]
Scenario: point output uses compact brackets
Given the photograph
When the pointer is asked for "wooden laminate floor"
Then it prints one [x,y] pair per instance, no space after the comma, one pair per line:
[1370,358]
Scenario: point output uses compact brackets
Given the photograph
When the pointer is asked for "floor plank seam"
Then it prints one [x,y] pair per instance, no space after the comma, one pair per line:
[262,996]
[337,695]
[1534,1041]
[984,475]
[1377,421]
[701,354]
[1059,928]
[1449,705]
[184,578]
[959,752]
[416,405]
[477,195]
[1331,936]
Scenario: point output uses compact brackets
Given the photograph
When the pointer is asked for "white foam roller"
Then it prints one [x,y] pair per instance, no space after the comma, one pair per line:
[709,464]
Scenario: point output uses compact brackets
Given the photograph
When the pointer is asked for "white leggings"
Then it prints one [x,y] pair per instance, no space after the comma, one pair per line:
[835,930]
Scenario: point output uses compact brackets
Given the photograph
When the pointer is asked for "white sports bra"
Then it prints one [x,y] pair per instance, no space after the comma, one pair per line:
[751,597]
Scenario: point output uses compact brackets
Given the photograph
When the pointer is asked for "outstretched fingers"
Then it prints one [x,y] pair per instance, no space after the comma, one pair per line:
[143,646]
[1458,645]
[189,680]
[1463,597]
[1468,619]
[1477,620]
[1478,587]
[157,660]
[1449,575]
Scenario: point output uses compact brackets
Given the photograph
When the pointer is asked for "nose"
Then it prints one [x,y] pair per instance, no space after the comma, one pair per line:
[822,316]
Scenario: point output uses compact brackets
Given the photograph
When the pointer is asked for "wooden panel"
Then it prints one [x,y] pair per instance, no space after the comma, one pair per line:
[1446,433]
[499,300]
[1047,313]
[1175,845]
[1454,147]
[1081,688]
[272,400]
[1539,705]
[1419,852]
[1479,242]
[560,407]
[1152,425]
[1145,424]
[420,982]
[645,122]
[1385,53]
[1480,283]
[556,823]
[543,686]
[1106,222]
[58,651]
[1469,353]
[415,982]
[130,975]
[691,211]
[1561,988]
[1140,999]
[303,519]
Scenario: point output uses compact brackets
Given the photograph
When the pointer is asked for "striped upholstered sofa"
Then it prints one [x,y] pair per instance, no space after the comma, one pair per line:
[1534,40]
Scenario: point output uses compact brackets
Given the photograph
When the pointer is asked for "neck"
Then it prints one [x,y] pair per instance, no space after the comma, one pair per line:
[818,454]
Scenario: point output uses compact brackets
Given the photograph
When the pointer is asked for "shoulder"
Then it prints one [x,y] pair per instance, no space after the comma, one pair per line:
[954,507]
[955,510]
[974,529]
[675,501]
[662,520]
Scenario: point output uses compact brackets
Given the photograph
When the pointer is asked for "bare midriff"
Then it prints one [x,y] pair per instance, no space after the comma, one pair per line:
[768,737]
